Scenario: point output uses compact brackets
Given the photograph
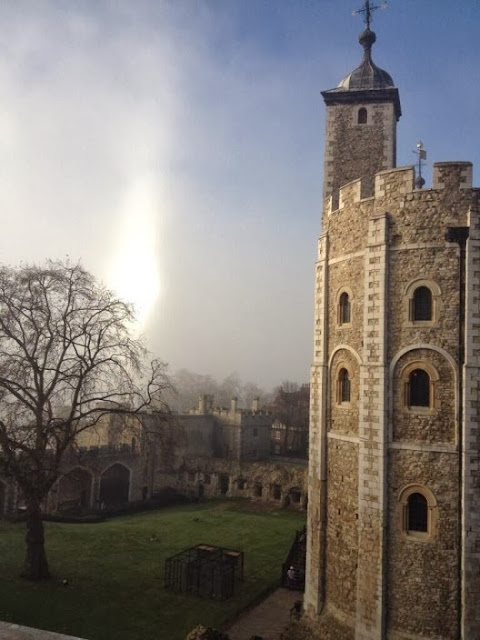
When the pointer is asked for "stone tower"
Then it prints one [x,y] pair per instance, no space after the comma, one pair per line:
[361,129]
[394,479]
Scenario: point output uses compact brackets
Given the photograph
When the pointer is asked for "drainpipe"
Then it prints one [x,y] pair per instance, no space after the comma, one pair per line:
[459,235]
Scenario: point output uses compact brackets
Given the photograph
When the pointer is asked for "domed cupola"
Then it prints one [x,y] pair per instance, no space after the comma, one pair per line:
[367,75]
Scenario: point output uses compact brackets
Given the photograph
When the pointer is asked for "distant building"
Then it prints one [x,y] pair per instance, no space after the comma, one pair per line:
[210,452]
[288,440]
[237,434]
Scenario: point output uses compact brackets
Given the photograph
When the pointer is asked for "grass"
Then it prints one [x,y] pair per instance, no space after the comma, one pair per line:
[115,571]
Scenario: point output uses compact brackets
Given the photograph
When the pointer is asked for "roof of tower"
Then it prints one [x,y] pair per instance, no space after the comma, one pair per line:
[367,75]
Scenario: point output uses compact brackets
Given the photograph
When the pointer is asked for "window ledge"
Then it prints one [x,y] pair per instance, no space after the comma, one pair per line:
[431,324]
[419,536]
[420,410]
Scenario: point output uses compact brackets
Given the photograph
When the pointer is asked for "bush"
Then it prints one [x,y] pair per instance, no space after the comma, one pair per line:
[206,633]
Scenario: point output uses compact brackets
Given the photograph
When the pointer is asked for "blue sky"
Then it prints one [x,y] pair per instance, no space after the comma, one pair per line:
[175,147]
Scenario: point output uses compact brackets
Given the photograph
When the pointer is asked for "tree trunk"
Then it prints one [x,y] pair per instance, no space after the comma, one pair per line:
[36,565]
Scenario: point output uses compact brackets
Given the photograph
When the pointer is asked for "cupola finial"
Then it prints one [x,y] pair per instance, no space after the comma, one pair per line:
[367,75]
[368,9]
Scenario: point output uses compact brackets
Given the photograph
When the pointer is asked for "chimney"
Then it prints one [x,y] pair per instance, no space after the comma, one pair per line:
[233,405]
[255,403]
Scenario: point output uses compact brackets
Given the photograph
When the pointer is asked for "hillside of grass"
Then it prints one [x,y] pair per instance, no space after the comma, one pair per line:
[115,571]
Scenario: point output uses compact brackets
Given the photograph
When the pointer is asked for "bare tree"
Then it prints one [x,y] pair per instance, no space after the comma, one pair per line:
[67,357]
[291,408]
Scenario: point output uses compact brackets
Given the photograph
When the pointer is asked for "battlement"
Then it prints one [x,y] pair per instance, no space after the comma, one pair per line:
[395,182]
[452,175]
[392,183]
[349,193]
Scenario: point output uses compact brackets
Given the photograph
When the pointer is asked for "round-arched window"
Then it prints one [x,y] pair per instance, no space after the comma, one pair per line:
[362,116]
[422,305]
[419,388]
[344,308]
[343,386]
[417,513]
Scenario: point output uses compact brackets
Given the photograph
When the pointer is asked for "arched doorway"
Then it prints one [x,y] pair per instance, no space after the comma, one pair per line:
[74,490]
[115,485]
[224,484]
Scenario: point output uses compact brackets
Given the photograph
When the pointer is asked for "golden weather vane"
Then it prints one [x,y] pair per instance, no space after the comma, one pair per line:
[368,10]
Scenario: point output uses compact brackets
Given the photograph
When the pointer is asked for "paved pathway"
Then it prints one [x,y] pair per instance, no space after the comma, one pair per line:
[268,619]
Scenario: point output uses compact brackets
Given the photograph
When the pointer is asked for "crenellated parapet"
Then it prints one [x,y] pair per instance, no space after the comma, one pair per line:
[415,215]
[394,184]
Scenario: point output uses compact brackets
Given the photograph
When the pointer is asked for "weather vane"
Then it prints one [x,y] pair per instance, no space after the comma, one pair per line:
[368,10]
[422,155]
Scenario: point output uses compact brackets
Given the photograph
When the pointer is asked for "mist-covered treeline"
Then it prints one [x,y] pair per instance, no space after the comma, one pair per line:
[189,385]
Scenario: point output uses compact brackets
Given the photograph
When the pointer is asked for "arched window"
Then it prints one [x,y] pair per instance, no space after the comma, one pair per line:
[422,304]
[417,513]
[419,388]
[344,309]
[362,116]
[343,386]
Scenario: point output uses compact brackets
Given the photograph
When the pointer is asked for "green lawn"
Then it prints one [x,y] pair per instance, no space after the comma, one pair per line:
[115,571]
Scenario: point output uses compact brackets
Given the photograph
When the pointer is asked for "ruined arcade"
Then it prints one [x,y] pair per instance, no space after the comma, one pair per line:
[394,478]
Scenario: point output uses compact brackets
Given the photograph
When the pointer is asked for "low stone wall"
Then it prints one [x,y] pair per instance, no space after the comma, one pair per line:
[9,631]
[283,483]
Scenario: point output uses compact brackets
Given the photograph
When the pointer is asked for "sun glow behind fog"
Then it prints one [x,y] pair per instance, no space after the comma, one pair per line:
[134,269]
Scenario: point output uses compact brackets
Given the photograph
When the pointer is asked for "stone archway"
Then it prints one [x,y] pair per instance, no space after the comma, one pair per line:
[294,497]
[224,484]
[115,485]
[74,490]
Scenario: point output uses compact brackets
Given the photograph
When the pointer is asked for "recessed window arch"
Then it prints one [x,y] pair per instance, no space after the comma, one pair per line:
[418,388]
[419,379]
[362,116]
[423,301]
[343,385]
[422,305]
[344,306]
[417,511]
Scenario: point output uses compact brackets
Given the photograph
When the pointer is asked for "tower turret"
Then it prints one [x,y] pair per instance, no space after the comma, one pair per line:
[361,128]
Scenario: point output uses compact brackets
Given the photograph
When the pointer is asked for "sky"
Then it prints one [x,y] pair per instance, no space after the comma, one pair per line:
[175,148]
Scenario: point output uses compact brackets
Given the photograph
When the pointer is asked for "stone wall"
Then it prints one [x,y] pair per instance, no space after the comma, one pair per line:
[353,150]
[283,483]
[344,415]
[342,530]
[436,424]
[423,572]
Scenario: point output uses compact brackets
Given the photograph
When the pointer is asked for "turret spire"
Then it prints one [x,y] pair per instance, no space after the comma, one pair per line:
[368,10]
[367,75]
